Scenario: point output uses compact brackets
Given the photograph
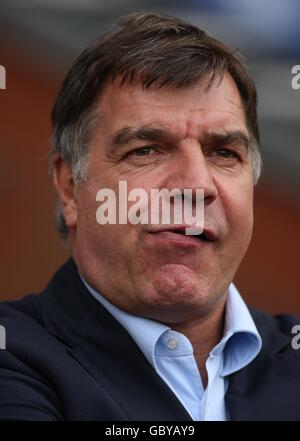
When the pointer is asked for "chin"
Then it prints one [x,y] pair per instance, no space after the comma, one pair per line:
[175,286]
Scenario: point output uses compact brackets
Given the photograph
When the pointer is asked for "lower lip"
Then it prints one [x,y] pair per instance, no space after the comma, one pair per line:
[168,237]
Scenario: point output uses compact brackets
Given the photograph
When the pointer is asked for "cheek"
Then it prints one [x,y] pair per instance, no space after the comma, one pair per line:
[108,241]
[236,200]
[240,217]
[238,210]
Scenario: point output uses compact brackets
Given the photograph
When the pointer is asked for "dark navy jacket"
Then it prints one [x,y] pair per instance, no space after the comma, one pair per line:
[67,358]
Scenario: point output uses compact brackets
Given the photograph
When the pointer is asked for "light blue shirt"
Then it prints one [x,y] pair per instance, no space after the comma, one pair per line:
[171,355]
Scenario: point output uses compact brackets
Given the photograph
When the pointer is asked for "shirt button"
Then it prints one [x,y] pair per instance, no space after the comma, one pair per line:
[172,343]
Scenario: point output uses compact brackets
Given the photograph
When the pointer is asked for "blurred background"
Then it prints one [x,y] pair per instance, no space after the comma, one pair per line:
[38,41]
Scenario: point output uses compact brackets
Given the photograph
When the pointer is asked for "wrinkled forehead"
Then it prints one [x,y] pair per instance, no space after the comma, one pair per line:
[183,110]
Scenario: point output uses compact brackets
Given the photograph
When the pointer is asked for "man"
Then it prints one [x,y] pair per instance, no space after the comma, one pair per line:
[143,322]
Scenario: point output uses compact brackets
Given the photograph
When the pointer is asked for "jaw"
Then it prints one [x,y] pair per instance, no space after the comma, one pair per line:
[175,292]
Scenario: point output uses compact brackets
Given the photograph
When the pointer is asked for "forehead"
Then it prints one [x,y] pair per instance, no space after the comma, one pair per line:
[185,111]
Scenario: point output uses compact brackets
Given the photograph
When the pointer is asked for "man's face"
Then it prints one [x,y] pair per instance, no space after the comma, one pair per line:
[192,138]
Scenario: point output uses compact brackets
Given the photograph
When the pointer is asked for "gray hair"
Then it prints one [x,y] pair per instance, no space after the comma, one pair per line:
[153,50]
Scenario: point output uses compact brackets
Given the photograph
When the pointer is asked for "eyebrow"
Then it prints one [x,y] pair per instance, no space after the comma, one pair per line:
[231,137]
[127,135]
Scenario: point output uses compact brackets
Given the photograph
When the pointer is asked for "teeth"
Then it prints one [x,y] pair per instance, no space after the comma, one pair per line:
[198,236]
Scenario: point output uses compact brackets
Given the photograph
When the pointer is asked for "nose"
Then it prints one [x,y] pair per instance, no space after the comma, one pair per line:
[190,170]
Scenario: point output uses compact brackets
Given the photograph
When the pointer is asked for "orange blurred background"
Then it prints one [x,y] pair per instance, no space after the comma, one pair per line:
[31,249]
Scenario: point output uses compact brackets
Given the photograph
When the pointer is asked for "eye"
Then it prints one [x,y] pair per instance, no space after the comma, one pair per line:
[226,153]
[143,151]
[147,154]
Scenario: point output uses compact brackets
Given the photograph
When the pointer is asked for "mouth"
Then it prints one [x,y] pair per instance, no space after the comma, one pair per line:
[177,235]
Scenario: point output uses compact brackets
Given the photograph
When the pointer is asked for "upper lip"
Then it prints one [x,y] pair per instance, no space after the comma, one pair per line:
[208,233]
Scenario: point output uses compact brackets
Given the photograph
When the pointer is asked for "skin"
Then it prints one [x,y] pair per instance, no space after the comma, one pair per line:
[182,283]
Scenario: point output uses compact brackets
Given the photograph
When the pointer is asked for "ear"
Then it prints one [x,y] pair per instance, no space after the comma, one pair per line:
[65,187]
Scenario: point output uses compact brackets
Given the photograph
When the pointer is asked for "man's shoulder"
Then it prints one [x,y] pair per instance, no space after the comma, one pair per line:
[22,318]
[26,323]
[280,335]
[40,376]
[26,335]
[270,323]
[50,323]
[30,311]
[26,308]
[268,388]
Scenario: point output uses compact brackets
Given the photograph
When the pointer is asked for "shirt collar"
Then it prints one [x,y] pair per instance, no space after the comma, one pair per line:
[241,341]
[239,345]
